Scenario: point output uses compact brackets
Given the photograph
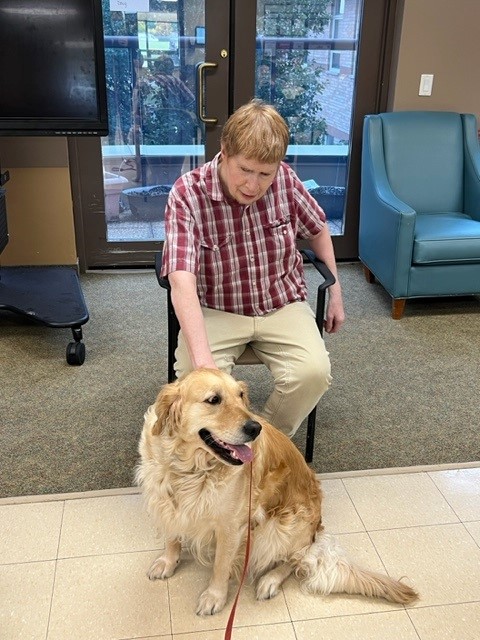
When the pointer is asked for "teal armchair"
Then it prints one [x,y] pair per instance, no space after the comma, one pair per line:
[419,232]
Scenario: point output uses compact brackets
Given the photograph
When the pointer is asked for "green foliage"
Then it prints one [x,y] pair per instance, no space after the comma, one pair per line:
[295,84]
[293,19]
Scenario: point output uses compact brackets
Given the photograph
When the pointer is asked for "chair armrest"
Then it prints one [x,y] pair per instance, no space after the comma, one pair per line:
[163,282]
[321,267]
[173,326]
[328,280]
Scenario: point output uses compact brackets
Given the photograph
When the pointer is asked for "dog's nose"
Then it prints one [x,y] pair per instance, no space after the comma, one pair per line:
[252,428]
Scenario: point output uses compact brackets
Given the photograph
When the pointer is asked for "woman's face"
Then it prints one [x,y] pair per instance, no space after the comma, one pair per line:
[246,180]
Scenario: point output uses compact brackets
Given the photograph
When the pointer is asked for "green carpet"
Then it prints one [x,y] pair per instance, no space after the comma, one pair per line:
[404,392]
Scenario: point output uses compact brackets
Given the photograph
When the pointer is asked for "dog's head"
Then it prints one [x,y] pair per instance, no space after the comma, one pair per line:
[208,409]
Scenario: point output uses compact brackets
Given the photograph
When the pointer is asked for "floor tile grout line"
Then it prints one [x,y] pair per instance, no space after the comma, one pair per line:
[80,556]
[477,543]
[448,501]
[422,525]
[123,552]
[394,609]
[353,504]
[417,632]
[170,615]
[444,497]
[52,595]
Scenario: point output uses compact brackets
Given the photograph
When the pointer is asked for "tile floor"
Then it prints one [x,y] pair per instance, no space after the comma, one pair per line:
[73,567]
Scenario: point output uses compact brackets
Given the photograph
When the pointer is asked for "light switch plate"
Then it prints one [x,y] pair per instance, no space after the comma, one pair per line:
[426,84]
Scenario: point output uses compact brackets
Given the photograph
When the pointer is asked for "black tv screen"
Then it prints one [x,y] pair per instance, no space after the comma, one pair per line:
[52,80]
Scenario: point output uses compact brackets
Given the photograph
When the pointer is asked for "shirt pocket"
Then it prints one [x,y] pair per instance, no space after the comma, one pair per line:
[215,258]
[215,243]
[280,237]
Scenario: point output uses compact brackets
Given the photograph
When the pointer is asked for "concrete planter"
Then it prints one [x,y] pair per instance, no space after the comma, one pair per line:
[332,200]
[113,186]
[148,203]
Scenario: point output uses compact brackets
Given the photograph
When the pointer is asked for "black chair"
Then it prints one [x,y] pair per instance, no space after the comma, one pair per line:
[248,356]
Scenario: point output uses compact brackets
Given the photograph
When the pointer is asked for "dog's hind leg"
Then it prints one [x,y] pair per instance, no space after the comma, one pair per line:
[164,566]
[269,584]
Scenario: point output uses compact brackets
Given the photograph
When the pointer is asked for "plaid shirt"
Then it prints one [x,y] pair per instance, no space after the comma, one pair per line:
[244,256]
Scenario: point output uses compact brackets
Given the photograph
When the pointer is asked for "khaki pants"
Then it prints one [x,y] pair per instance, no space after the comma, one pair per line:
[287,341]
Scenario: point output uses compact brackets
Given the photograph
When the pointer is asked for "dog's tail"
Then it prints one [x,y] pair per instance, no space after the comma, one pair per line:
[325,569]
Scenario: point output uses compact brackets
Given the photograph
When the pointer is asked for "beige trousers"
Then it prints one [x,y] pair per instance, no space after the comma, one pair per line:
[287,341]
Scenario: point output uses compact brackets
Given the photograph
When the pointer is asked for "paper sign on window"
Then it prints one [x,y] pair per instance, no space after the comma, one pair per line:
[130,6]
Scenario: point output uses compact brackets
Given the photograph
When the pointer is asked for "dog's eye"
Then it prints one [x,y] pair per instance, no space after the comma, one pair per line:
[214,400]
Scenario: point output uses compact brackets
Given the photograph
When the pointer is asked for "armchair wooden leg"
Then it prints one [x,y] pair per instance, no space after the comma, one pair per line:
[370,278]
[398,307]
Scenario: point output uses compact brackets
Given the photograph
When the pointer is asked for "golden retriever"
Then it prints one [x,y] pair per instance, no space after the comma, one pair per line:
[198,442]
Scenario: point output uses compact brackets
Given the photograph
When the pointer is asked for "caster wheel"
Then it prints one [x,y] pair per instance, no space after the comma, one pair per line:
[75,353]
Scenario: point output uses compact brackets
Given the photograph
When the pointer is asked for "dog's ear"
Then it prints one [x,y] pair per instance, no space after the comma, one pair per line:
[165,406]
[245,398]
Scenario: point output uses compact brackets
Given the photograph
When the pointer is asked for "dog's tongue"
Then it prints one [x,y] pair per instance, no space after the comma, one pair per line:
[242,452]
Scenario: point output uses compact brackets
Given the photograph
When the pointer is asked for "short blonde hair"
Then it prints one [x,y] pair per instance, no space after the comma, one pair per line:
[256,131]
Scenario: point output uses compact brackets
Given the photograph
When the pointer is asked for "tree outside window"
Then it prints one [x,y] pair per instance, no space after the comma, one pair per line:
[288,75]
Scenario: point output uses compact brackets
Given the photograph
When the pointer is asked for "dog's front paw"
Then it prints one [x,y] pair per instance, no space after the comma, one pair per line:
[210,602]
[162,568]
[268,587]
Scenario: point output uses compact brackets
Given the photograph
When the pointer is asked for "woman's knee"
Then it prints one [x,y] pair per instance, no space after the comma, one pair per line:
[312,371]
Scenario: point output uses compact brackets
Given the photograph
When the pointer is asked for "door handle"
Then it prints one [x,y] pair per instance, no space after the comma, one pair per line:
[201,68]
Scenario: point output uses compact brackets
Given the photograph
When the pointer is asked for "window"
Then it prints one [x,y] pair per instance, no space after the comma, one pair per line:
[338,9]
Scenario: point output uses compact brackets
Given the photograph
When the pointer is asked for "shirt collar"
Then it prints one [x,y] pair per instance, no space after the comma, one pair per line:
[214,186]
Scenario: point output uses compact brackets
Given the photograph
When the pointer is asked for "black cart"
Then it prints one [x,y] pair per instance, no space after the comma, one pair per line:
[50,295]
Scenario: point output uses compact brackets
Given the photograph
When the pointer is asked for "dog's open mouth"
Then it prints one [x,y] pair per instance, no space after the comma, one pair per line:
[231,453]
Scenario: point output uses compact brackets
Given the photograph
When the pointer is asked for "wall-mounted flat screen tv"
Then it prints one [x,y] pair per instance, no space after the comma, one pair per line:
[52,80]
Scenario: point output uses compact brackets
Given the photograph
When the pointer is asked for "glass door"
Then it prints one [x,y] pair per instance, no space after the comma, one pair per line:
[315,61]
[157,77]
[167,68]
[177,69]
[306,66]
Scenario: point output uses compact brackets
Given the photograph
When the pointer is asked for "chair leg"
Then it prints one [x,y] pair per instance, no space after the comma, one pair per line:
[370,278]
[311,420]
[398,307]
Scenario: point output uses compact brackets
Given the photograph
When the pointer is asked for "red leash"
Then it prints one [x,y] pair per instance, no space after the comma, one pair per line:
[228,630]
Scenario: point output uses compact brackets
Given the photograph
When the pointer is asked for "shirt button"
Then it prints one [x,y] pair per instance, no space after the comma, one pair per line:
[252,259]
[215,247]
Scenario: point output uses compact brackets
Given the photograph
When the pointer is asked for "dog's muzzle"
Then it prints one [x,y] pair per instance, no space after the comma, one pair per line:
[233,453]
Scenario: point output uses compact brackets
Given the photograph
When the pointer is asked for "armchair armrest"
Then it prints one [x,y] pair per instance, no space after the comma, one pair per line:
[328,280]
[472,165]
[387,223]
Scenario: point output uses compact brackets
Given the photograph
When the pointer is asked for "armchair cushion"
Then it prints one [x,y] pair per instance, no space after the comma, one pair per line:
[443,238]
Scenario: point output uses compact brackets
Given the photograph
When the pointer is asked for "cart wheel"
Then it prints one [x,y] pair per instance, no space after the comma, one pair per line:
[75,353]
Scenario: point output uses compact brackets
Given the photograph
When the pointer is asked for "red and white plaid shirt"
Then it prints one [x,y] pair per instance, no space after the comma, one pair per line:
[244,256]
